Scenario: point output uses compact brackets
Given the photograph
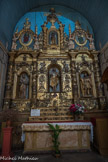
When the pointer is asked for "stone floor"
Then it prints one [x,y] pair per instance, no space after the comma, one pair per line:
[65,157]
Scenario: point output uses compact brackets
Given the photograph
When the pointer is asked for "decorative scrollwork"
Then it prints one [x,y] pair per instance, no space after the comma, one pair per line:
[65,67]
[42,68]
[42,83]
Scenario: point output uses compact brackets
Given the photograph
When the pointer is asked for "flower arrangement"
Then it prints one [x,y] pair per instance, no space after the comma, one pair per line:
[77,109]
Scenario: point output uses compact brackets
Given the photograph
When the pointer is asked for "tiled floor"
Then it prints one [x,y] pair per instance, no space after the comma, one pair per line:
[65,157]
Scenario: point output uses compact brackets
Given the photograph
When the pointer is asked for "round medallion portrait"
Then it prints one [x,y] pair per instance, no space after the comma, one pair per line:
[26,38]
[80,38]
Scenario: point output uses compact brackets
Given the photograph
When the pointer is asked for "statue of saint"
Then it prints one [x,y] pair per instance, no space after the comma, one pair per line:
[53,38]
[54,80]
[82,84]
[24,86]
[86,86]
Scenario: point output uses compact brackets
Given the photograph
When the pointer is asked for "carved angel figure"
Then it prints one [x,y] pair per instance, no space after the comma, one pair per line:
[14,44]
[71,44]
[36,43]
[91,44]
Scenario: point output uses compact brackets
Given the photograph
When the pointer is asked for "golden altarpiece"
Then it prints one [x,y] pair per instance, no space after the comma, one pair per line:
[50,71]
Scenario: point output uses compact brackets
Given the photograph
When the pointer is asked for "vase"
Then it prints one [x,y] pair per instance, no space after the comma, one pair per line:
[81,117]
[76,117]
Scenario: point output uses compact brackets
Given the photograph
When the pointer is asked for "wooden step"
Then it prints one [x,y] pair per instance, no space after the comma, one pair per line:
[51,118]
[53,114]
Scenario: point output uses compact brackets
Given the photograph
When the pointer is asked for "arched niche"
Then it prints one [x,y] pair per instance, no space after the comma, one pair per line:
[23,86]
[54,79]
[85,84]
[53,38]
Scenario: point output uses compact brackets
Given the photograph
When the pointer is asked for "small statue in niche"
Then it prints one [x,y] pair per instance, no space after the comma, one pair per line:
[65,67]
[85,83]
[54,80]
[24,86]
[91,44]
[36,43]
[53,38]
[71,44]
[43,67]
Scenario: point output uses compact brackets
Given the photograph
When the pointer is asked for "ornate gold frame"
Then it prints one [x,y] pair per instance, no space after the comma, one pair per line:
[24,31]
[53,29]
[77,41]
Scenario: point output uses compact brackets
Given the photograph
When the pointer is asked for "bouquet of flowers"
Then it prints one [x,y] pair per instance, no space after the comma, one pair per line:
[77,109]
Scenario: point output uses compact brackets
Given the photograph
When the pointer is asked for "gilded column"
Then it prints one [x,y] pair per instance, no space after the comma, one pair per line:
[61,35]
[34,80]
[44,36]
[74,80]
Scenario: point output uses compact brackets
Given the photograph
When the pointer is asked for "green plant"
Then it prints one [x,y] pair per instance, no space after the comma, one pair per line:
[56,131]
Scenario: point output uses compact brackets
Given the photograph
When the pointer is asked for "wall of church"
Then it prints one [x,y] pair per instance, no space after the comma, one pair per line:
[3,69]
[104,65]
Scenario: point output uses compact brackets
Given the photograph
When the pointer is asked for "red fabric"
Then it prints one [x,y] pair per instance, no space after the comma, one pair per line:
[6,147]
[93,121]
[26,37]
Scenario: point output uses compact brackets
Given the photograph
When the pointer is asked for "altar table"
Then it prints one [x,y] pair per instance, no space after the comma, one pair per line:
[74,136]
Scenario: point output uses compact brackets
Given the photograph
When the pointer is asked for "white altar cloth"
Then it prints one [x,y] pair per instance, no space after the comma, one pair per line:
[69,125]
